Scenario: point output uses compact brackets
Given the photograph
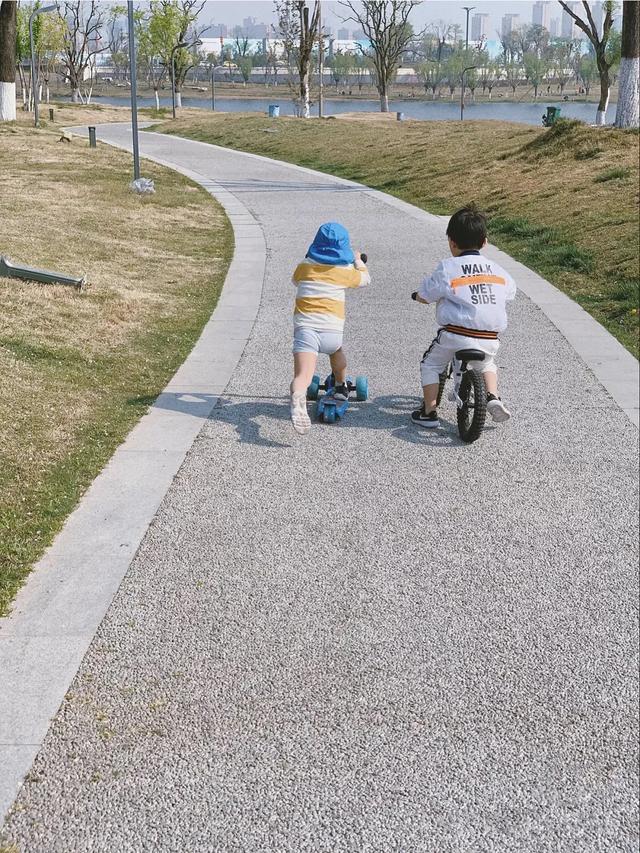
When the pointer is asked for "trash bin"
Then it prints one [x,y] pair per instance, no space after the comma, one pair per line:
[399,116]
[552,116]
[274,110]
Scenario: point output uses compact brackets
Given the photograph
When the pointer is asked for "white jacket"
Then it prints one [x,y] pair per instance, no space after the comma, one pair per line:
[471,292]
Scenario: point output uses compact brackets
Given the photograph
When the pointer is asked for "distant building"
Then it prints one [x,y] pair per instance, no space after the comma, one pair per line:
[509,24]
[569,29]
[359,36]
[541,16]
[479,27]
[343,35]
[219,31]
[598,16]
[554,28]
[254,30]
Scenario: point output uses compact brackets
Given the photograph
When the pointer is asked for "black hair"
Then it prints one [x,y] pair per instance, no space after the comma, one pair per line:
[468,228]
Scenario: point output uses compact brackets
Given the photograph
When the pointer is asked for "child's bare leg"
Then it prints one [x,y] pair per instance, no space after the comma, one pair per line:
[339,365]
[491,381]
[495,406]
[430,393]
[304,363]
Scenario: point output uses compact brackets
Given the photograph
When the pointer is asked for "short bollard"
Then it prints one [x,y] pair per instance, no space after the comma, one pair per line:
[399,116]
[92,137]
[50,113]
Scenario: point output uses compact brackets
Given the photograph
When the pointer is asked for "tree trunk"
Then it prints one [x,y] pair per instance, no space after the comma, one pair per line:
[157,97]
[628,94]
[384,100]
[8,23]
[75,95]
[178,100]
[601,114]
[23,86]
[304,94]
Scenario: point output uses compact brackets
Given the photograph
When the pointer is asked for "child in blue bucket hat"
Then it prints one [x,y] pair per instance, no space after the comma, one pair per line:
[330,268]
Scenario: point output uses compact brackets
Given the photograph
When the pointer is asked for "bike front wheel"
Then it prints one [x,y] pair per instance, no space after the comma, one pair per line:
[473,412]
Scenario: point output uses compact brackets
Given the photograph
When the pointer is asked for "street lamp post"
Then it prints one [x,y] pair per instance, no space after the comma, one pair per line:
[34,76]
[467,9]
[464,71]
[320,63]
[466,50]
[214,68]
[134,92]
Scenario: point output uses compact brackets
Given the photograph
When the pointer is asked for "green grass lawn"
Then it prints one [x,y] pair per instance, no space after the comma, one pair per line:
[79,369]
[563,201]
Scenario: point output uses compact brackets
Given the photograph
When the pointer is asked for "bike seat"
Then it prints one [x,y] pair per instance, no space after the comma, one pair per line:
[470,355]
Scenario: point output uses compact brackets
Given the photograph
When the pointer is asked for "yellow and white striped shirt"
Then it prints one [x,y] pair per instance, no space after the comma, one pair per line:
[320,293]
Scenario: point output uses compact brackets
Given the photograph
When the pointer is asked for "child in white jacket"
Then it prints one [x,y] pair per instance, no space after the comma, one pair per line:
[471,294]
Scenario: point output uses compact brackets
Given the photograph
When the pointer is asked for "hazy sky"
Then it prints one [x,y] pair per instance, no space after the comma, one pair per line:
[225,12]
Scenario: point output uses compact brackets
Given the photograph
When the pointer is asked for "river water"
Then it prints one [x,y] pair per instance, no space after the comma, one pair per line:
[524,113]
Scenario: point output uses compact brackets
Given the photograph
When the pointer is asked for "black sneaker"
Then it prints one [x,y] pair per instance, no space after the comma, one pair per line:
[429,421]
[340,392]
[497,409]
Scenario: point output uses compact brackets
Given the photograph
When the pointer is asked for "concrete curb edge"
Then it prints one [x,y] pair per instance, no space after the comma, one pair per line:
[47,633]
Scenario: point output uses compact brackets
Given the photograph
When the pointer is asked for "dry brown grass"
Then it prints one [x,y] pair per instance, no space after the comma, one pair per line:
[78,369]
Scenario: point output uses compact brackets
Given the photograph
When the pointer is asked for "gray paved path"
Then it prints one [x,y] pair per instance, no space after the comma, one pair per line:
[371,638]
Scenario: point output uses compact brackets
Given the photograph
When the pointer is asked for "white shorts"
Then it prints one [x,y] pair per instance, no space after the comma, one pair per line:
[443,348]
[311,340]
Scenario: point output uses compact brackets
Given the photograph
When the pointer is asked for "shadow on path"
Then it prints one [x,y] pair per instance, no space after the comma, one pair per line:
[247,413]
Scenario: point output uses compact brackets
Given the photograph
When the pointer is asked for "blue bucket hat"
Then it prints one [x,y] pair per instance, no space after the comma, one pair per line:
[331,245]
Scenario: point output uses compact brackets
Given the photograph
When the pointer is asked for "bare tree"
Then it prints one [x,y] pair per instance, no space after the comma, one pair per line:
[387,28]
[510,46]
[443,33]
[8,25]
[82,41]
[431,75]
[117,41]
[627,110]
[298,24]
[187,57]
[599,42]
[49,45]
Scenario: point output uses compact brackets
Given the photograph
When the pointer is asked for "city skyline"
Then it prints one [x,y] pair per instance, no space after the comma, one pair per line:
[487,18]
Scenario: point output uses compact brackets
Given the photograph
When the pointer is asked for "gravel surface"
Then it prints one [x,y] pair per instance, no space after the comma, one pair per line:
[371,638]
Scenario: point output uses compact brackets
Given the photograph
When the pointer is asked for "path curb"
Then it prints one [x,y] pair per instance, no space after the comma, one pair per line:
[46,635]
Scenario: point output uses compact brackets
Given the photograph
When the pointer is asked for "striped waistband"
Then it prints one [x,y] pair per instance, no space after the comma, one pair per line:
[471,333]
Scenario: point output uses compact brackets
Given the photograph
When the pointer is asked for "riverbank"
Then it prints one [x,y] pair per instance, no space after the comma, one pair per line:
[81,368]
[523,113]
[562,201]
[201,90]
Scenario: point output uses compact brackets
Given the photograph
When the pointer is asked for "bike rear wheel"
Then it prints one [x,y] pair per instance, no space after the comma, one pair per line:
[473,412]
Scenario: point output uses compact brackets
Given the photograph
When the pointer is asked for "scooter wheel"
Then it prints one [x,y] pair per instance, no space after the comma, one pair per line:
[362,388]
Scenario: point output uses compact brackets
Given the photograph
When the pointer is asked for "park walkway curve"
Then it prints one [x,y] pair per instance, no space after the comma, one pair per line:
[371,639]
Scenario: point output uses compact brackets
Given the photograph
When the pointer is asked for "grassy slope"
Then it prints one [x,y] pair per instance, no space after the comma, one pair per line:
[78,370]
[563,201]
